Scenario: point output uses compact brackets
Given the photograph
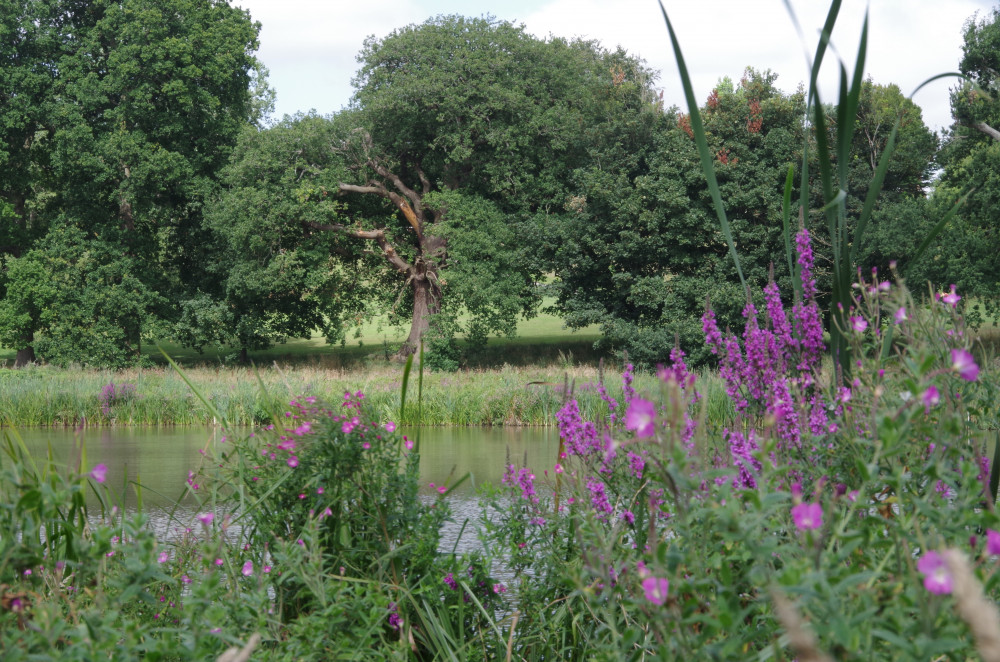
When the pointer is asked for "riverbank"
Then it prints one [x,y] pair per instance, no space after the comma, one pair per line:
[48,396]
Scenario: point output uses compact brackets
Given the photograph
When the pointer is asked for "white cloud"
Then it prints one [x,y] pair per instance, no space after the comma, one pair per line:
[310,45]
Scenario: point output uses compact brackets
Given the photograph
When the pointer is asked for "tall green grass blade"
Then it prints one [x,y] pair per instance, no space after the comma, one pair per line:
[995,469]
[707,165]
[197,392]
[402,392]
[933,233]
[420,397]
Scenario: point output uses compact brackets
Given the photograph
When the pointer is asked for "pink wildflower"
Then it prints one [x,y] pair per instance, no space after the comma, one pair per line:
[937,579]
[99,473]
[963,363]
[656,589]
[931,397]
[992,542]
[807,516]
[952,297]
[641,417]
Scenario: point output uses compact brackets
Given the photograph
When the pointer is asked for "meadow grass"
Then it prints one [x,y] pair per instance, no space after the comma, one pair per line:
[509,395]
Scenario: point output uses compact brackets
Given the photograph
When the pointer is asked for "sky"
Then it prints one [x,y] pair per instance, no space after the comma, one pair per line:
[310,46]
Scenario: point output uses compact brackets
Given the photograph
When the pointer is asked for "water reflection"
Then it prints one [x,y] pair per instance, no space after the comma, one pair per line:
[160,458]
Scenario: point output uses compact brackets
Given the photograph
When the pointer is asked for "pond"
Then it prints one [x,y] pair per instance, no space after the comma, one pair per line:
[160,458]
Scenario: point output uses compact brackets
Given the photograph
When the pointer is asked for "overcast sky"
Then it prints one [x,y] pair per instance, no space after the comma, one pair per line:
[310,45]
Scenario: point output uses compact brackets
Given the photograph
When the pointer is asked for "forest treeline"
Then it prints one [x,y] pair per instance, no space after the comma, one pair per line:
[477,171]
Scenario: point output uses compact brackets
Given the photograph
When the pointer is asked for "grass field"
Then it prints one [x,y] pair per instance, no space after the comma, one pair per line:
[540,340]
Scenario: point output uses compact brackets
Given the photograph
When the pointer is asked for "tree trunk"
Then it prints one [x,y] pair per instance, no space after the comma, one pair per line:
[426,302]
[24,357]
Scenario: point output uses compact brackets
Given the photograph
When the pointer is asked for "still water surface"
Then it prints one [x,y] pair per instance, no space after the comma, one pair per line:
[160,458]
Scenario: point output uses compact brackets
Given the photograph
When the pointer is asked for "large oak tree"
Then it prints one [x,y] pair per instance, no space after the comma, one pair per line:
[117,117]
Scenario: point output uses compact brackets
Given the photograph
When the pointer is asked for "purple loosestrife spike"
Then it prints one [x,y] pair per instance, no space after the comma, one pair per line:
[963,363]
[599,499]
[713,338]
[779,323]
[937,578]
[804,248]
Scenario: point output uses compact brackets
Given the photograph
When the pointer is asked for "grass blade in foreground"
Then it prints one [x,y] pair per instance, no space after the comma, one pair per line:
[706,158]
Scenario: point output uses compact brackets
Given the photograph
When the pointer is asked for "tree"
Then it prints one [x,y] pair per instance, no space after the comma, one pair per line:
[901,217]
[642,252]
[124,112]
[967,252]
[461,133]
[279,275]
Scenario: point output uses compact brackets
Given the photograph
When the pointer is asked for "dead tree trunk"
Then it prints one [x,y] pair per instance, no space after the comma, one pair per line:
[426,302]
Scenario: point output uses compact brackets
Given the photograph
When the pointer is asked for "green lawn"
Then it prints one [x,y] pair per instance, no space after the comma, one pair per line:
[542,339]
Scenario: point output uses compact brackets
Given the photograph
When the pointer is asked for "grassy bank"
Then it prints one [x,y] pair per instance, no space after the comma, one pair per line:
[40,396]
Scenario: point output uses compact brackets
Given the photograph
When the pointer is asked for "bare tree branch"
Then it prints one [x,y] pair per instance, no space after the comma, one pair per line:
[987,129]
[378,236]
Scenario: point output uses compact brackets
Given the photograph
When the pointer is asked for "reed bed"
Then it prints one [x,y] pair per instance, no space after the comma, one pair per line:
[515,396]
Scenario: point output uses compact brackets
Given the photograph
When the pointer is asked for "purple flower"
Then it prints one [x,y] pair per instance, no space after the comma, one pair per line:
[937,579]
[99,473]
[247,569]
[599,499]
[206,518]
[963,363]
[807,516]
[992,542]
[641,417]
[293,461]
[449,579]
[163,557]
[931,397]
[390,427]
[858,324]
[900,315]
[655,589]
[952,297]
[804,249]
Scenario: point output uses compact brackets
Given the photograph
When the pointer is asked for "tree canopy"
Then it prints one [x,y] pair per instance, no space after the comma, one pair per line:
[116,119]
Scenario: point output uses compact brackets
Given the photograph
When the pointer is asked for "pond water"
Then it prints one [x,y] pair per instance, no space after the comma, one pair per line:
[160,458]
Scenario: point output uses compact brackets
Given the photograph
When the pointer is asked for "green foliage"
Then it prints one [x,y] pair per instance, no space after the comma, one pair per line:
[122,116]
[280,276]
[443,352]
[889,480]
[326,496]
[78,301]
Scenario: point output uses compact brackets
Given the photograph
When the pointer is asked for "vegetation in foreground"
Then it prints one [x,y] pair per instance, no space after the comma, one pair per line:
[825,521]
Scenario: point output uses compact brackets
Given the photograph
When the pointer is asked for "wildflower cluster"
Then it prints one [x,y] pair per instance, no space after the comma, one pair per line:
[112,395]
